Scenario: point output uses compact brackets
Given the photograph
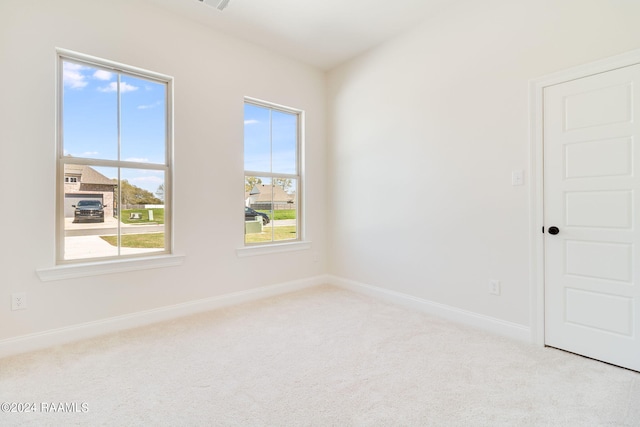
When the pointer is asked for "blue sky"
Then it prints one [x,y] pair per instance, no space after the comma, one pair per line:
[90,125]
[270,140]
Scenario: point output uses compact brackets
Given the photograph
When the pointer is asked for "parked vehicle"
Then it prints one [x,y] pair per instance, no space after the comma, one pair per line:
[251,214]
[89,210]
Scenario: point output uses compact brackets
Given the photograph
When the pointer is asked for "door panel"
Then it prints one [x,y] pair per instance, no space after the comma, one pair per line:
[614,158]
[597,260]
[598,107]
[591,193]
[615,313]
[602,209]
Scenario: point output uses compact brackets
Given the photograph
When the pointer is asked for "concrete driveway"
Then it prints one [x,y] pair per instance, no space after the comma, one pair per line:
[109,226]
[82,240]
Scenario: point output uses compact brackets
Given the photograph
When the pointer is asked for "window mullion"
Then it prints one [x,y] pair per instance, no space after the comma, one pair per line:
[271,141]
[119,126]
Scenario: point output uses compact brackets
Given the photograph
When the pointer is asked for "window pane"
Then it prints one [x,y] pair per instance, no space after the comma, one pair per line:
[143,120]
[257,138]
[90,121]
[271,209]
[285,209]
[142,211]
[284,142]
[89,211]
[94,217]
[257,211]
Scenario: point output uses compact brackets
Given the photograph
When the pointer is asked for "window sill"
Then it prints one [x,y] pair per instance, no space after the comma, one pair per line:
[272,249]
[72,271]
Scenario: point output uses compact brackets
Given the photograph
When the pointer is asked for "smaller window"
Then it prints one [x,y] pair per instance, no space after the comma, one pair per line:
[272,181]
[70,179]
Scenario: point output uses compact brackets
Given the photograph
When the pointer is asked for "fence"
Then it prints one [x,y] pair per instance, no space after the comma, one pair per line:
[127,207]
[276,206]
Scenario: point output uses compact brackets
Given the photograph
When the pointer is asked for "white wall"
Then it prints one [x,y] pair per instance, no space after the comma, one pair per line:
[424,132]
[212,74]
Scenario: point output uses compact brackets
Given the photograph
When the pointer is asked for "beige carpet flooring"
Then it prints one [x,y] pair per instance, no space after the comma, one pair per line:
[318,357]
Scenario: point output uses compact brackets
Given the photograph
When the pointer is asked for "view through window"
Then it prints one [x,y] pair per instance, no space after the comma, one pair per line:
[272,175]
[113,160]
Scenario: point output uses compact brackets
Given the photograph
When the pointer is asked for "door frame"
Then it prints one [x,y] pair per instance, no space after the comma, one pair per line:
[536,166]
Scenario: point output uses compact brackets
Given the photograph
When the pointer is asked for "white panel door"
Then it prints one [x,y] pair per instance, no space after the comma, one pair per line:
[592,196]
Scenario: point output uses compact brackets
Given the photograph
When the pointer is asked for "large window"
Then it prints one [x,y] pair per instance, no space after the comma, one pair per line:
[272,173]
[114,160]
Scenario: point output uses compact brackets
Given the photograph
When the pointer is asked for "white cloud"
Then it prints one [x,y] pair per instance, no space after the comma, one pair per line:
[251,122]
[113,86]
[89,154]
[146,107]
[72,76]
[126,87]
[102,75]
[137,159]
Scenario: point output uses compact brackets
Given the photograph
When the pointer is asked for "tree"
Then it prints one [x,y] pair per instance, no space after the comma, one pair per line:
[250,182]
[133,195]
[285,183]
[160,192]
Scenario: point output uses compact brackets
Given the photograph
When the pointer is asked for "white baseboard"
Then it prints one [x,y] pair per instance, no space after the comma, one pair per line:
[490,324]
[50,338]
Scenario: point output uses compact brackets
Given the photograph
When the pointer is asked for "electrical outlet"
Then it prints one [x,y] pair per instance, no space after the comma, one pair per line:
[19,301]
[494,287]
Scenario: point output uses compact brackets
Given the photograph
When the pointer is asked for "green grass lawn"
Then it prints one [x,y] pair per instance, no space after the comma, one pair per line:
[282,214]
[148,240]
[281,233]
[158,216]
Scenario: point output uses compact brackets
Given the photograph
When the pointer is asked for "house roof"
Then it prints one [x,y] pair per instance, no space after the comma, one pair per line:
[264,194]
[88,175]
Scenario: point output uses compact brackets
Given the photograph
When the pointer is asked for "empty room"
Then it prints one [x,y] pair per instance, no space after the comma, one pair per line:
[439,222]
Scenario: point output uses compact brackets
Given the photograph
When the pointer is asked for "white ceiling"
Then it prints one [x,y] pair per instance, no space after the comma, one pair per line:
[323,33]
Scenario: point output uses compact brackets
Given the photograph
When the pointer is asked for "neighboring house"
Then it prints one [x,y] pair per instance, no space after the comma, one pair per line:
[260,197]
[84,182]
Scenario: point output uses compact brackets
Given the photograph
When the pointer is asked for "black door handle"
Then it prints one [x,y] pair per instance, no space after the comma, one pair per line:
[554,230]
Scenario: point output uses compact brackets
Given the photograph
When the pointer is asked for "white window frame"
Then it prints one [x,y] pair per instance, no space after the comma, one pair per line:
[300,243]
[62,268]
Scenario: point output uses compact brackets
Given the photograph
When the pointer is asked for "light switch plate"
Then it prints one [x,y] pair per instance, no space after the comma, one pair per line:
[517,178]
